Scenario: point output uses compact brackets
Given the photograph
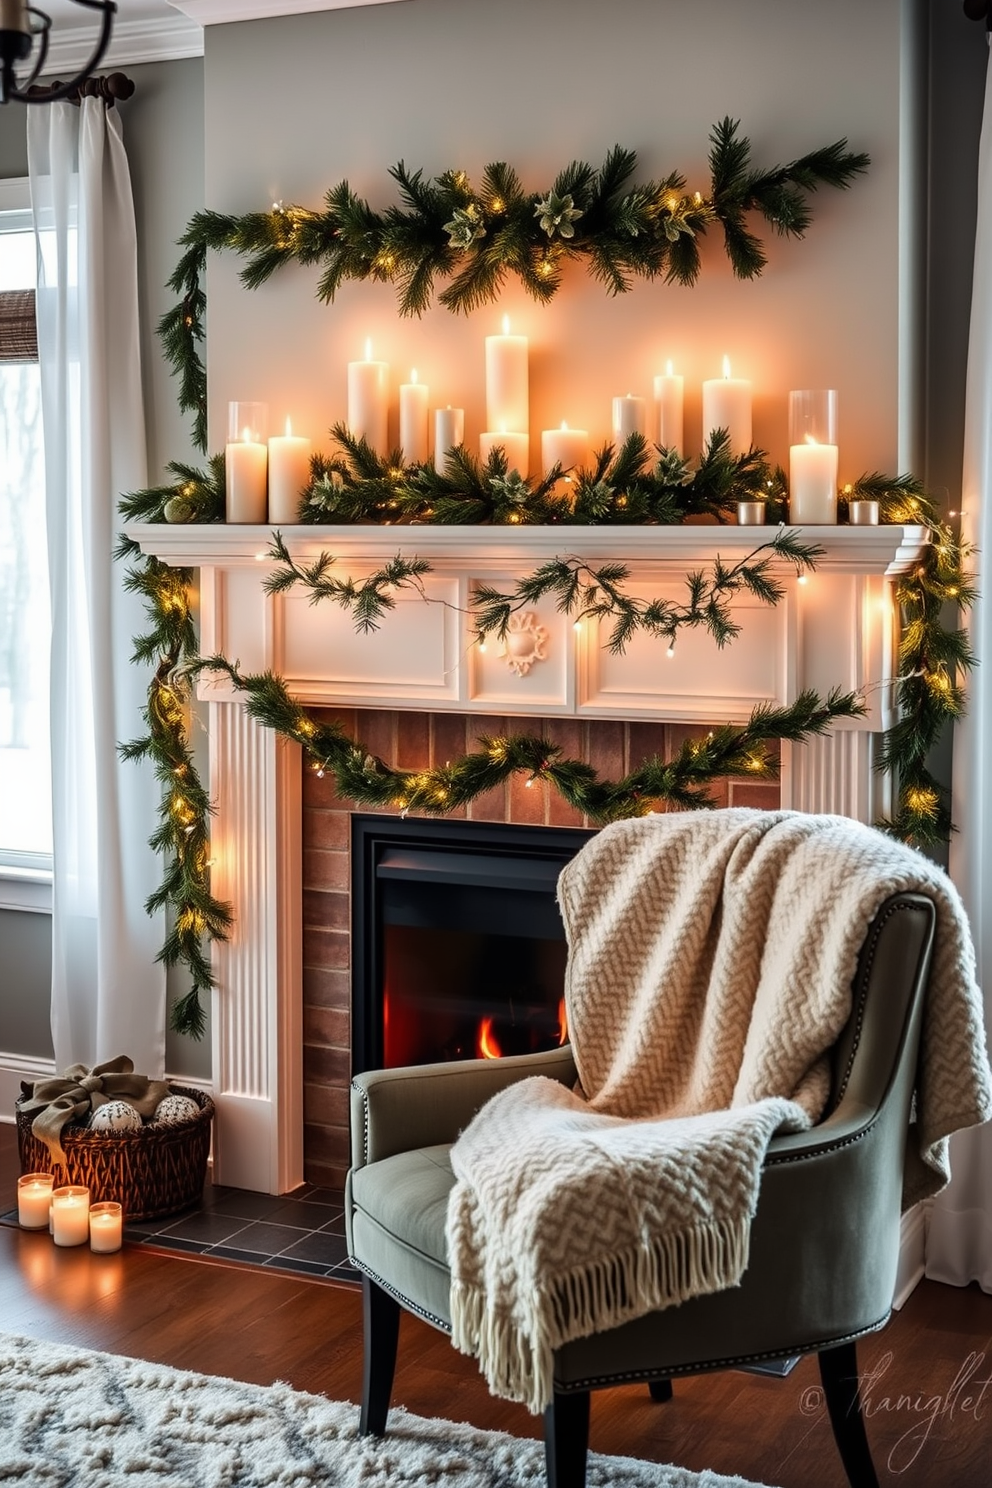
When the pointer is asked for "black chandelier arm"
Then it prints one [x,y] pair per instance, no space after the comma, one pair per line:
[27,92]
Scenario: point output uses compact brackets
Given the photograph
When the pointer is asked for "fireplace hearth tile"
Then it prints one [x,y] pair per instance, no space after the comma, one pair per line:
[209,1226]
[267,1239]
[322,1249]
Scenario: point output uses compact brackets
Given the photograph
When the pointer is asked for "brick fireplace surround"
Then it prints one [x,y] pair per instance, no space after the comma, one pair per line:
[414,741]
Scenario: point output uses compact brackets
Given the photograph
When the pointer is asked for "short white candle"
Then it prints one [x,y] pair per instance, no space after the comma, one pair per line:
[727,405]
[413,420]
[813,483]
[449,431]
[289,473]
[517,447]
[106,1228]
[507,385]
[368,401]
[247,479]
[71,1215]
[629,417]
[34,1200]
[669,397]
[566,447]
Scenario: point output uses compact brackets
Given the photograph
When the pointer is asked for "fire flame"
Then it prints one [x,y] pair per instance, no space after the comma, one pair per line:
[562,1023]
[487,1046]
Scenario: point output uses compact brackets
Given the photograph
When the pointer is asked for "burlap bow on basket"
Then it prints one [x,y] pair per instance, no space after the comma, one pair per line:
[80,1090]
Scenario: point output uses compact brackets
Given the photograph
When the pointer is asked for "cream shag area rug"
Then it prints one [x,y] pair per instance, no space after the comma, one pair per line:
[74,1419]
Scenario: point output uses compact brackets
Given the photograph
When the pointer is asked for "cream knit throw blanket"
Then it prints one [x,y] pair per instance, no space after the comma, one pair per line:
[711,958]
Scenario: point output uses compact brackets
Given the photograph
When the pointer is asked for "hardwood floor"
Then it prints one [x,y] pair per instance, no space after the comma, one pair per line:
[928,1374]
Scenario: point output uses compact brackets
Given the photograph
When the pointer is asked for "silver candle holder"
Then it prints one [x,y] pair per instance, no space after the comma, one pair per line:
[751,513]
[863,513]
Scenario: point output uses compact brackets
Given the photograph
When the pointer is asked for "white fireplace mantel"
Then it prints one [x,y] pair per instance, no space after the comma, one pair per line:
[835,629]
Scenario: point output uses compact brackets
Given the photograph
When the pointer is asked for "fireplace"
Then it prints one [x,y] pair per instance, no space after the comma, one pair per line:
[458,949]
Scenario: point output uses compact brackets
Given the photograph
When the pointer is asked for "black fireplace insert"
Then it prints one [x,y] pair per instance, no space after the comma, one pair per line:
[458,948]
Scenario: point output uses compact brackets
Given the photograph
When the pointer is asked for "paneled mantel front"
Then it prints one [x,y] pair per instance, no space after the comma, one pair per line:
[835,629]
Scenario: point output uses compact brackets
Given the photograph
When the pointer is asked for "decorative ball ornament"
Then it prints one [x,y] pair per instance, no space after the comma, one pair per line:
[115,1116]
[179,509]
[173,1110]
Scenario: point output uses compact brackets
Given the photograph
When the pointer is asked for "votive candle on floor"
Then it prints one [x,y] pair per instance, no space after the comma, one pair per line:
[71,1215]
[247,463]
[106,1227]
[368,401]
[289,474]
[449,431]
[727,405]
[34,1200]
[669,398]
[515,446]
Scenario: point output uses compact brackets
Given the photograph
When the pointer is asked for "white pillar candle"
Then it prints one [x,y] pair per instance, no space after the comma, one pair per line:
[289,473]
[247,478]
[449,431]
[71,1215]
[727,405]
[507,387]
[517,447]
[669,398]
[368,401]
[34,1200]
[566,447]
[413,420]
[629,417]
[813,483]
[106,1228]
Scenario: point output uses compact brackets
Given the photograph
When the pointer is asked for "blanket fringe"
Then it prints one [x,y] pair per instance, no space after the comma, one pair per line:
[516,1355]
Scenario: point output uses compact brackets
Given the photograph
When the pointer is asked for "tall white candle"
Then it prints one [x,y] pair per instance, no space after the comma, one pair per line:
[368,401]
[247,466]
[71,1215]
[566,447]
[629,417]
[34,1200]
[517,447]
[106,1227]
[289,473]
[507,385]
[449,431]
[413,419]
[669,398]
[813,483]
[727,405]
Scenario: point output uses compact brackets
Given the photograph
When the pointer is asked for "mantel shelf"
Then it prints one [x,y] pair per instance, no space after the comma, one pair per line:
[887,550]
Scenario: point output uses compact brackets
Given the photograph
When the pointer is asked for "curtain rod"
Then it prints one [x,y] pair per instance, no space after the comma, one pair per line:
[116,85]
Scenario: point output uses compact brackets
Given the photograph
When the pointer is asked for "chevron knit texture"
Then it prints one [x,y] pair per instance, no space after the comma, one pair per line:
[711,961]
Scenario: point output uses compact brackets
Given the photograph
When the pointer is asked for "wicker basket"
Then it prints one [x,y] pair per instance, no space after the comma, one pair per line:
[155,1171]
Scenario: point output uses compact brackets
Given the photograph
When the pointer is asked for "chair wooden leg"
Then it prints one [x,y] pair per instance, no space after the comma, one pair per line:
[381,1330]
[839,1373]
[566,1439]
[661,1390]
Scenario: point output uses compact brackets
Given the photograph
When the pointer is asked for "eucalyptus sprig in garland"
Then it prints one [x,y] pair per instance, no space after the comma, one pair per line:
[477,236]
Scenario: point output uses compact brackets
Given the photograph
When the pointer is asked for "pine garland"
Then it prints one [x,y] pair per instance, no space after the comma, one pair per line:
[476,237]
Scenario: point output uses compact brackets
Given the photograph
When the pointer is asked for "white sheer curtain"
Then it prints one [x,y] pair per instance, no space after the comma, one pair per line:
[108,995]
[959,1238]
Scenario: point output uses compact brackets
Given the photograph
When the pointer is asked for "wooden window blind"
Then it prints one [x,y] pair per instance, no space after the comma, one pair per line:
[18,326]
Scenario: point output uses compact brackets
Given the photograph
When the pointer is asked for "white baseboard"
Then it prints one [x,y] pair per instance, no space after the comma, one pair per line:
[912,1254]
[13,1069]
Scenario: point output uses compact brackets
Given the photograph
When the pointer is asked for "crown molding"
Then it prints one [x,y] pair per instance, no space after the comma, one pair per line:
[220,12]
[163,39]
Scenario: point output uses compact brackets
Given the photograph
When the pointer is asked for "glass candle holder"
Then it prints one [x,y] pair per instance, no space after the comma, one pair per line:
[247,462]
[813,456]
[106,1227]
[34,1200]
[71,1215]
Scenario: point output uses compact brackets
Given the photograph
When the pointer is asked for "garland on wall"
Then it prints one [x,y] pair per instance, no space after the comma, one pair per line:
[477,236]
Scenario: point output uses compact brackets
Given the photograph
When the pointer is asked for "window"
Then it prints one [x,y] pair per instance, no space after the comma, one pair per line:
[25,623]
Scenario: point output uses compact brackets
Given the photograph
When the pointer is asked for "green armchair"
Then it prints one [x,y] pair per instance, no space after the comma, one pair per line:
[824,1243]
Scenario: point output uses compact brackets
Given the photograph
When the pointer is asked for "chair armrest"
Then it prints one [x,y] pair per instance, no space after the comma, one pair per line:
[424,1105]
[850,1120]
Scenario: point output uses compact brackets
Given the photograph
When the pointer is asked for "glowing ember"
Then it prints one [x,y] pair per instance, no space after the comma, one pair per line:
[562,1023]
[486,1045]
